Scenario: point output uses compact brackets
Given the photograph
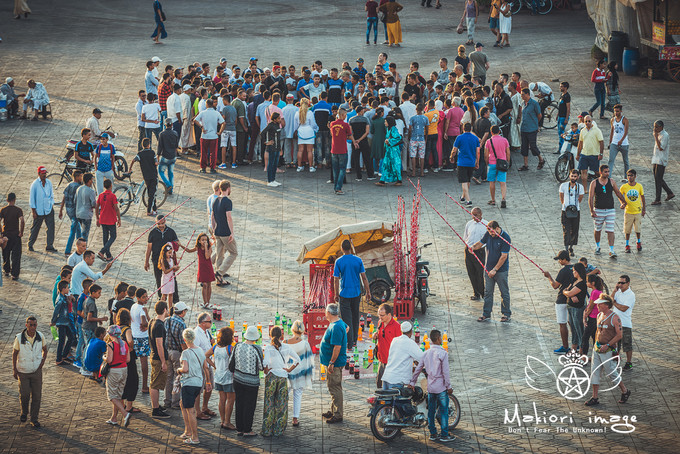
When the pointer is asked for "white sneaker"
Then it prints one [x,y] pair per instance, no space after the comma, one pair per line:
[312,169]
[329,182]
[436,170]
[300,168]
[272,184]
[277,183]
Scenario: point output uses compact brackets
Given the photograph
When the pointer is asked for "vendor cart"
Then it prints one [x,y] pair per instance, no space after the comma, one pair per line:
[665,37]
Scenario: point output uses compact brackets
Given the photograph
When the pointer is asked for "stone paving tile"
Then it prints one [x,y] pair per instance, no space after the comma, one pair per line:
[98,64]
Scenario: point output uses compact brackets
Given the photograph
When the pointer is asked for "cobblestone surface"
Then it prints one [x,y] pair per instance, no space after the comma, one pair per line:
[93,54]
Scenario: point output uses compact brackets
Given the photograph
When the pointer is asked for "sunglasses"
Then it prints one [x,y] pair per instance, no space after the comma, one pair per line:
[622,283]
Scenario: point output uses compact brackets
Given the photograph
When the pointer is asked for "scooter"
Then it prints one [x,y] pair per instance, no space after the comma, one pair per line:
[120,165]
[387,407]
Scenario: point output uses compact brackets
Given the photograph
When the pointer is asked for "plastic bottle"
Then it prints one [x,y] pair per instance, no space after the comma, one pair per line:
[259,328]
[415,324]
[422,346]
[277,318]
[235,339]
[290,326]
[356,373]
[365,359]
[356,355]
[446,335]
[375,366]
[213,330]
[370,352]
[369,319]
[271,325]
[231,324]
[322,373]
[360,333]
[347,365]
[427,344]
[416,335]
[55,332]
[361,322]
[283,320]
[445,345]
[351,366]
[371,328]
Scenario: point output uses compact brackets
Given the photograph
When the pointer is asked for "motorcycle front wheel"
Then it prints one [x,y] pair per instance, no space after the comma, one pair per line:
[380,291]
[378,428]
[562,168]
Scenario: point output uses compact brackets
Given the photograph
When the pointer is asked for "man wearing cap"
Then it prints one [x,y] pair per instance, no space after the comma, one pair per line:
[150,80]
[185,103]
[159,237]
[156,62]
[333,355]
[174,342]
[564,279]
[211,124]
[403,352]
[359,70]
[480,63]
[12,97]
[42,202]
[276,81]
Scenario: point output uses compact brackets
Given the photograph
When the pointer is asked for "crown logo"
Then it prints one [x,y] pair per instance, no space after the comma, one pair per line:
[572,359]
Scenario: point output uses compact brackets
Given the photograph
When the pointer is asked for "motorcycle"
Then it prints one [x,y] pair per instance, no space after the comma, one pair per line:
[386,405]
[120,165]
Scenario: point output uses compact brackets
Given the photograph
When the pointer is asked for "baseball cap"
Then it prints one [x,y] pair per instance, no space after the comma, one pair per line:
[479,45]
[563,255]
[583,114]
[168,121]
[181,306]
[307,71]
[223,60]
[275,67]
[187,87]
[96,110]
[382,91]
[360,60]
[290,96]
[8,80]
[105,135]
[406,327]
[253,59]
[155,59]
[324,72]
[42,169]
[266,69]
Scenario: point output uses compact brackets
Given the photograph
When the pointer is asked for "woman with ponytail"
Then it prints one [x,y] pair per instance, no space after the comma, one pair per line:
[596,287]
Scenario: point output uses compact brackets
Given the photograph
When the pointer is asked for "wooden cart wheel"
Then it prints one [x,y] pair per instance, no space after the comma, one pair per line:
[673,69]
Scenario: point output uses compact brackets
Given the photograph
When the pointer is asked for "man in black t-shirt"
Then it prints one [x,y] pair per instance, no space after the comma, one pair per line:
[84,150]
[360,128]
[159,356]
[564,279]
[159,237]
[413,89]
[563,112]
[149,165]
[223,228]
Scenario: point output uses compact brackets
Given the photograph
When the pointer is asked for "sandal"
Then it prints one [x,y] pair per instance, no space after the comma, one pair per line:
[593,401]
[184,436]
[134,410]
[202,417]
[228,426]
[523,168]
[505,319]
[211,307]
[491,202]
[483,318]
[250,434]
[209,413]
[296,422]
[113,423]
[189,441]
[541,164]
[624,397]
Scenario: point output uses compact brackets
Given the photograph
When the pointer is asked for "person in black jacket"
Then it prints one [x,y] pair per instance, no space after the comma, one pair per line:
[167,154]
[271,138]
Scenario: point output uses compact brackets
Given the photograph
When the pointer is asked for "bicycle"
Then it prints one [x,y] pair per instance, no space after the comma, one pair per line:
[66,174]
[550,115]
[542,6]
[128,194]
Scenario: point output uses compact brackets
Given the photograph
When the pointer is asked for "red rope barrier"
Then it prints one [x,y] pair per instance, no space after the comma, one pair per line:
[509,243]
[190,238]
[176,274]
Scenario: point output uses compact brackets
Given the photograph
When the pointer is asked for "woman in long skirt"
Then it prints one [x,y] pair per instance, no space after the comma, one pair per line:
[159,17]
[21,7]
[123,319]
[276,369]
[301,378]
[378,132]
[390,168]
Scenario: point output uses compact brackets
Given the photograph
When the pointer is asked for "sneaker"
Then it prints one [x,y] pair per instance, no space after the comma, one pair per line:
[329,182]
[424,171]
[327,415]
[503,204]
[469,203]
[300,168]
[272,184]
[358,179]
[447,439]
[436,170]
[159,414]
[612,255]
[434,437]
[370,178]
[598,251]
[312,169]
[561,351]
[202,170]
[78,363]
[333,420]
[628,366]
[627,249]
[222,166]
[639,246]
[234,166]
[462,199]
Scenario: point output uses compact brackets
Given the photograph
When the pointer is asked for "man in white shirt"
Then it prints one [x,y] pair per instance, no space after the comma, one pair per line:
[77,256]
[204,342]
[42,202]
[475,229]
[403,351]
[83,271]
[660,161]
[150,81]
[290,141]
[211,123]
[624,301]
[174,109]
[139,326]
[156,62]
[92,124]
[141,102]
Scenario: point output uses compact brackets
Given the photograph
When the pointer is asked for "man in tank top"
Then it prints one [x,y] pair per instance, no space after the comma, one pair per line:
[618,140]
[601,203]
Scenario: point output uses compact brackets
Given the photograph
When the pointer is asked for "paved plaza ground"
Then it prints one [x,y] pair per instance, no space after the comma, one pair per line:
[93,53]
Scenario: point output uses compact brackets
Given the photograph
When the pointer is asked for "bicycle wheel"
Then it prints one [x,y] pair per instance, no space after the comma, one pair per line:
[545,6]
[120,167]
[160,196]
[515,6]
[125,198]
[550,116]
[562,168]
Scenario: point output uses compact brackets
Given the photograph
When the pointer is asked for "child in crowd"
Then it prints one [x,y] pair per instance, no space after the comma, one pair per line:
[206,272]
[168,264]
[570,138]
[64,275]
[121,293]
[436,362]
[62,320]
[590,268]
[80,305]
[93,355]
[90,319]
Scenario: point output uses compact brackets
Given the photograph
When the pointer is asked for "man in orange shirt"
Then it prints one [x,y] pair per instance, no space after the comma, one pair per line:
[340,133]
[432,115]
[388,329]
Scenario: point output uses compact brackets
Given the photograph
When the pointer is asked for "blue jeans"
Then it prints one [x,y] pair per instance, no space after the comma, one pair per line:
[164,115]
[600,96]
[372,22]
[576,324]
[168,164]
[500,279]
[534,6]
[74,234]
[614,150]
[149,132]
[109,236]
[339,169]
[81,342]
[434,402]
[177,127]
[85,225]
[561,127]
[272,163]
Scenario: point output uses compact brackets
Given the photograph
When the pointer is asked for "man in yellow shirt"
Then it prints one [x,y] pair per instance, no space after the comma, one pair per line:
[432,115]
[494,14]
[635,208]
[590,149]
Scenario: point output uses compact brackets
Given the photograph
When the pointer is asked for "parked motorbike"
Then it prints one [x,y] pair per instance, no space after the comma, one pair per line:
[387,407]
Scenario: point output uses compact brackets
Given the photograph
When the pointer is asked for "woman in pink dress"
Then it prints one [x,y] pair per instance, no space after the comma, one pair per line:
[168,264]
[206,272]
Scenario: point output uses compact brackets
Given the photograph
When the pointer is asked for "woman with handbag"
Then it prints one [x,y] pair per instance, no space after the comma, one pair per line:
[470,17]
[496,152]
[115,371]
[390,167]
[571,195]
[159,18]
[279,361]
[246,364]
[194,368]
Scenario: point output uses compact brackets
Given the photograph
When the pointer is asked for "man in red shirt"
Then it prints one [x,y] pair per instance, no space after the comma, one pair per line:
[164,92]
[108,216]
[388,329]
[340,132]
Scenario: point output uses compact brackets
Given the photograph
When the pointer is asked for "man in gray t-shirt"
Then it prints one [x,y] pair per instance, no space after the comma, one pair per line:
[479,63]
[228,138]
[86,199]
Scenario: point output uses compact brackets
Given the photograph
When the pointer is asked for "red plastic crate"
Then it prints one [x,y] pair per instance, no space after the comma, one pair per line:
[314,338]
[315,324]
[312,271]
[403,309]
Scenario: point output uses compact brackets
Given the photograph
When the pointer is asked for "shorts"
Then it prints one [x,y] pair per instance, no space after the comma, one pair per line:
[142,348]
[189,395]
[631,221]
[224,388]
[228,138]
[606,370]
[626,342]
[465,174]
[606,217]
[493,22]
[115,383]
[492,174]
[589,163]
[158,377]
[561,314]
[416,147]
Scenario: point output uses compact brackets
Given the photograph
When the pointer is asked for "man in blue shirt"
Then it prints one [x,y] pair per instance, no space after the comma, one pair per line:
[529,117]
[150,81]
[497,244]
[333,355]
[466,147]
[418,125]
[348,275]
[42,202]
[360,70]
